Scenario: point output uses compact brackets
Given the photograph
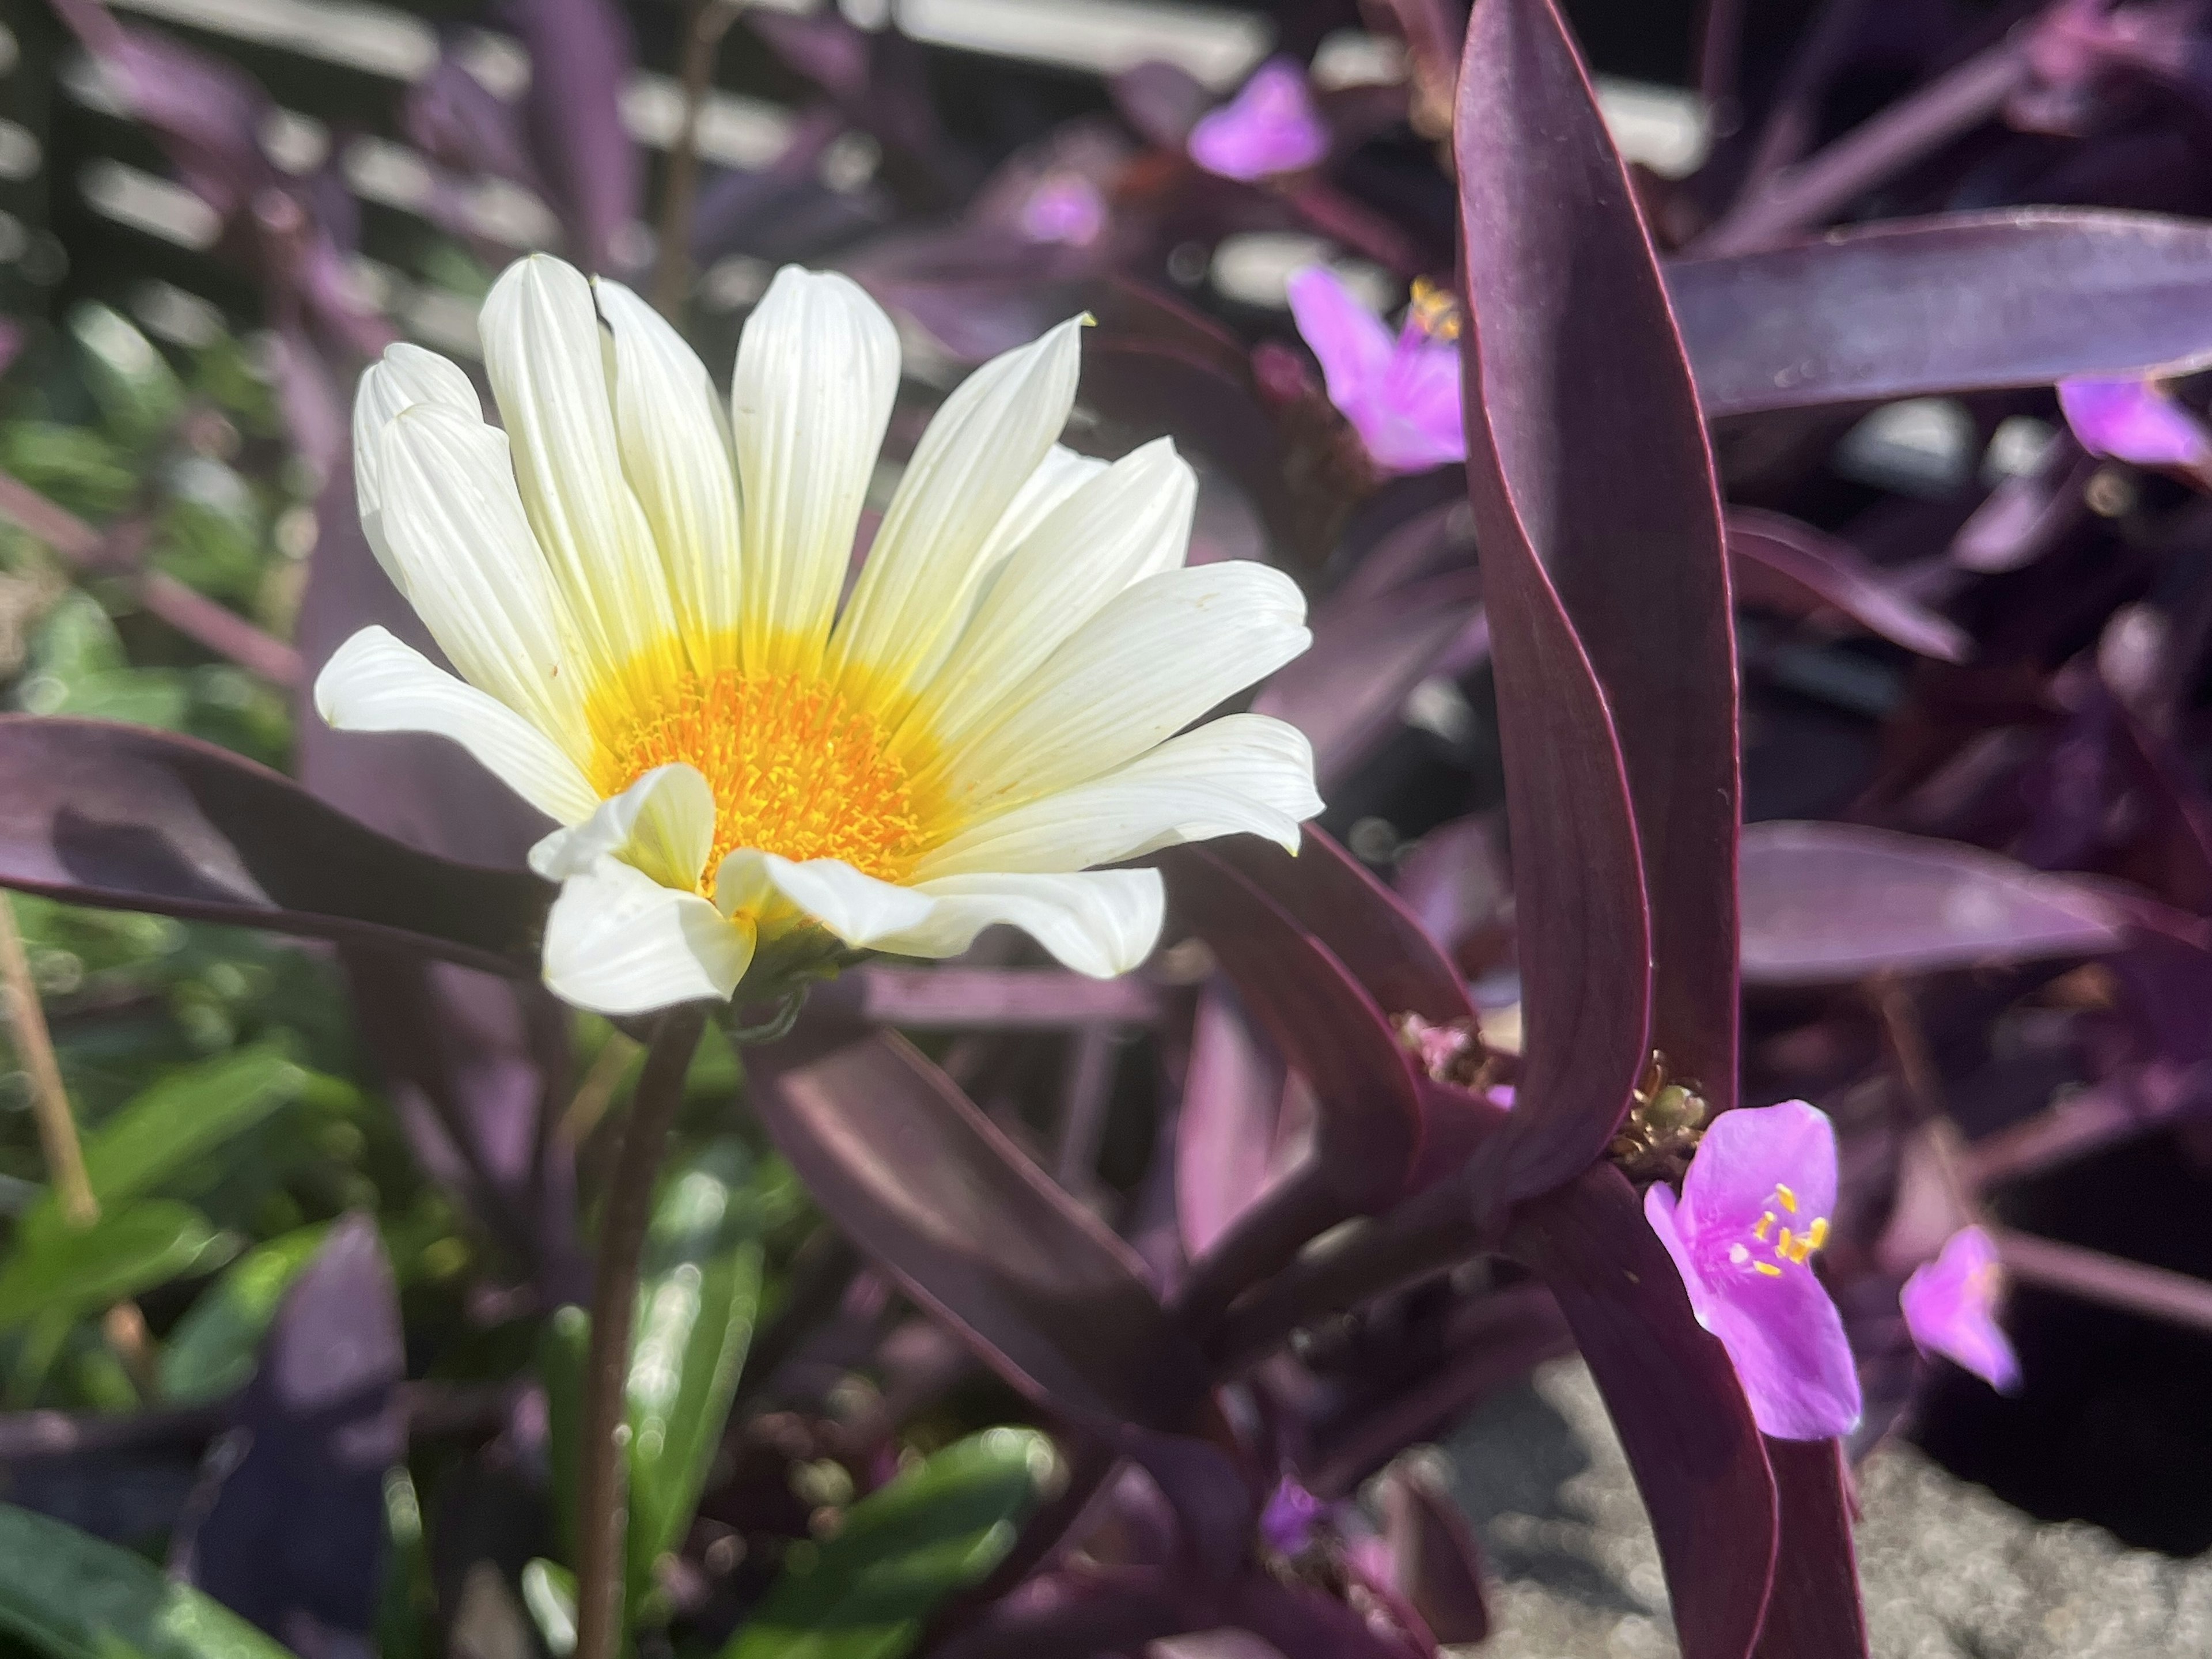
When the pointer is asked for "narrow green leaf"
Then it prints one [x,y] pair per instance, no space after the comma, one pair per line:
[126,1252]
[934,1531]
[561,1350]
[213,1350]
[697,1299]
[70,1596]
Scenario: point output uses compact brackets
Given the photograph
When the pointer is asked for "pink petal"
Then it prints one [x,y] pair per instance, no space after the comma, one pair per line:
[1067,209]
[1421,423]
[2134,420]
[1786,1341]
[1269,127]
[1950,1307]
[1350,341]
[1745,1156]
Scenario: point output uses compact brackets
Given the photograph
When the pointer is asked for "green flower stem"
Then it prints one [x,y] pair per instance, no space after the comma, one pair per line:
[602,1507]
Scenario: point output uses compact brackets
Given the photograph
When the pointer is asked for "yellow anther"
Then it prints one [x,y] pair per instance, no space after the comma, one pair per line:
[1786,1243]
[1785,1198]
[1818,1237]
[1765,1225]
[1768,1268]
[1802,1249]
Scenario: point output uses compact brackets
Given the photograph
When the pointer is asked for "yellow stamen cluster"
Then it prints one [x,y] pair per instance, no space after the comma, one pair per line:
[1787,1243]
[797,768]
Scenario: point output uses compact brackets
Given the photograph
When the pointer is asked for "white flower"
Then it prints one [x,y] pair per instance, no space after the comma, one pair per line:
[641,596]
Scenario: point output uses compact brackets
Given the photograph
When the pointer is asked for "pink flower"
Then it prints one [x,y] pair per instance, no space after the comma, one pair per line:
[2134,420]
[1950,1308]
[1269,127]
[1754,1208]
[1402,397]
[1066,208]
[1287,1523]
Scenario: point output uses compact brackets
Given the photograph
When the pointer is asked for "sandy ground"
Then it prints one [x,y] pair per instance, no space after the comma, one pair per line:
[1951,1572]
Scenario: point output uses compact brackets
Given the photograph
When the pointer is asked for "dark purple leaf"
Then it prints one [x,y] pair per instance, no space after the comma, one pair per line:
[1163,101]
[985,999]
[1300,1622]
[460,123]
[1077,1611]
[1536,175]
[128,818]
[1227,1137]
[1367,1127]
[1458,882]
[1347,692]
[1781,564]
[1814,1611]
[1825,903]
[1672,1395]
[293,1538]
[931,1190]
[581,56]
[1960,302]
[1438,1564]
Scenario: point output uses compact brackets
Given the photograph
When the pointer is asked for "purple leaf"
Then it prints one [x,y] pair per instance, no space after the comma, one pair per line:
[931,1190]
[1227,1134]
[1824,903]
[1674,1397]
[1960,302]
[1458,882]
[128,818]
[986,999]
[294,1537]
[1347,693]
[1755,1206]
[581,55]
[1435,1560]
[1814,1611]
[1537,176]
[1163,101]
[1781,564]
[1322,1020]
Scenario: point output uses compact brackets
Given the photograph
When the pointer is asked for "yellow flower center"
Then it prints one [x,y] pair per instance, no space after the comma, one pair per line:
[798,768]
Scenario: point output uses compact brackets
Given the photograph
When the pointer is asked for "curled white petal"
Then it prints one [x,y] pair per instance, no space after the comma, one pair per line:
[1241,775]
[375,683]
[1100,922]
[405,376]
[663,824]
[618,942]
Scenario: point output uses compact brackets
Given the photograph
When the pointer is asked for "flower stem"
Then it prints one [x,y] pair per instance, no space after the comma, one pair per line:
[602,1505]
[710,22]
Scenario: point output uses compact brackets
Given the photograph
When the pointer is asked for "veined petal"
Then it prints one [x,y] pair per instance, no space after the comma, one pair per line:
[668,426]
[986,441]
[1102,922]
[1352,342]
[1746,1154]
[469,565]
[1057,477]
[1786,1341]
[541,340]
[817,371]
[405,375]
[618,942]
[663,824]
[375,683]
[1157,656]
[1242,773]
[1130,521]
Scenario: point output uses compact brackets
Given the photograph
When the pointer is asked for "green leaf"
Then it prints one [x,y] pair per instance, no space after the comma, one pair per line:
[560,1351]
[132,382]
[183,1116]
[935,1530]
[71,1596]
[549,1590]
[697,1299]
[126,1252]
[213,1350]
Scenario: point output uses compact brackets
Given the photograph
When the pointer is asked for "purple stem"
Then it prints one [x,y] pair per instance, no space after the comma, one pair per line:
[1789,126]
[2115,1282]
[2120,1109]
[1810,192]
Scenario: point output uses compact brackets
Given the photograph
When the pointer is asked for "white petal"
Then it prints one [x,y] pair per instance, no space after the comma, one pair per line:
[1102,922]
[1159,655]
[618,942]
[541,340]
[374,683]
[1130,521]
[818,370]
[406,375]
[982,446]
[472,570]
[1241,775]
[1057,477]
[669,425]
[663,825]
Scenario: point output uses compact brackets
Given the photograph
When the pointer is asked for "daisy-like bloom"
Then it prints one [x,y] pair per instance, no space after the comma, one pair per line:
[641,596]
[1754,1208]
[1401,397]
[1950,1306]
[2135,420]
[1269,127]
